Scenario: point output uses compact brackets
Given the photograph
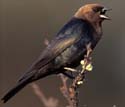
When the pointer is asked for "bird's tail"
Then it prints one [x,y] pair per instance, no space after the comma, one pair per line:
[20,85]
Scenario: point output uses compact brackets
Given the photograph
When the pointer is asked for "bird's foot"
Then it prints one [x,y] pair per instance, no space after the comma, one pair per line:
[70,72]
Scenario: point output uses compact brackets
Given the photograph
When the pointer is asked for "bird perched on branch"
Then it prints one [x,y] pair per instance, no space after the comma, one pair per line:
[67,48]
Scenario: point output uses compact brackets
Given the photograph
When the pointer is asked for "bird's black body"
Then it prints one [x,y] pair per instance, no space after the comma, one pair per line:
[67,48]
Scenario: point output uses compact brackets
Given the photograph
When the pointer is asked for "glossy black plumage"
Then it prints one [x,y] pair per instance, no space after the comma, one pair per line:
[67,49]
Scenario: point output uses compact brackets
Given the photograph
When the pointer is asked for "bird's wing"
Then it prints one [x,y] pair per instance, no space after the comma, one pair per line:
[54,49]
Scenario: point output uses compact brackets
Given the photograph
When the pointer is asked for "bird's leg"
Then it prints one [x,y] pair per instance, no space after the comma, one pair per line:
[69,72]
[70,69]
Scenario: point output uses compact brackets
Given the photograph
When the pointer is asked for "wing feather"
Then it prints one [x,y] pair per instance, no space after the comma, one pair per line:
[55,49]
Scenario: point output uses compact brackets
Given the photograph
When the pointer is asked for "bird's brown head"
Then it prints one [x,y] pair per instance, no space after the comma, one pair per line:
[94,13]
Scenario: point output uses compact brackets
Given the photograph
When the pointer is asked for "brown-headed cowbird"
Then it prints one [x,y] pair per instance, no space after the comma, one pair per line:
[67,48]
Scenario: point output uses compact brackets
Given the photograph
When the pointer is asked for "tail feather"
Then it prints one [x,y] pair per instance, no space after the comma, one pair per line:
[16,89]
[23,81]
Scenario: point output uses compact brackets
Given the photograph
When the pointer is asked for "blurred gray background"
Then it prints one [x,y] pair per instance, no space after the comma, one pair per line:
[24,24]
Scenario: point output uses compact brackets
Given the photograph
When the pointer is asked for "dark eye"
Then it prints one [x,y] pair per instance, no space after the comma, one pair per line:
[98,9]
[103,11]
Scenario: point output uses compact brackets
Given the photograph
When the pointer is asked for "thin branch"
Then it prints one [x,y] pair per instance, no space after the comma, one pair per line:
[65,89]
[50,102]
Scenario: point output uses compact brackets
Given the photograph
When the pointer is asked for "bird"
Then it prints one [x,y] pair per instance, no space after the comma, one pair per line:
[67,48]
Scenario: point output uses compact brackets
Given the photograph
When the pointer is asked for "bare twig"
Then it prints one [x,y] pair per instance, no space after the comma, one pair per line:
[65,89]
[46,42]
[50,102]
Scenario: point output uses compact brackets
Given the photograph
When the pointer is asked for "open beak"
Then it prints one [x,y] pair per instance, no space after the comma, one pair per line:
[103,16]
